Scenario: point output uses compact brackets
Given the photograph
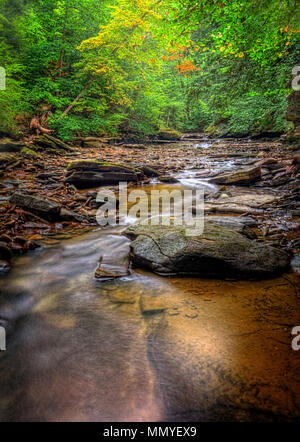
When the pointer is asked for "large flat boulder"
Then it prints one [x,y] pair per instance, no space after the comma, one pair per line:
[239,201]
[87,174]
[248,197]
[217,252]
[43,207]
[246,175]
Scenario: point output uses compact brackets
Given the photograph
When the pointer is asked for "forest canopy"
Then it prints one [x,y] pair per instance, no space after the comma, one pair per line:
[106,66]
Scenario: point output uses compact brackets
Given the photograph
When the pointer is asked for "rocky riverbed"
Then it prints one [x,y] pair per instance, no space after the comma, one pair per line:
[53,187]
[95,329]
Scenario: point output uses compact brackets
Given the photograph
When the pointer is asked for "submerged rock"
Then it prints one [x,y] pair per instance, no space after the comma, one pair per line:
[86,174]
[112,267]
[151,305]
[245,175]
[47,209]
[217,252]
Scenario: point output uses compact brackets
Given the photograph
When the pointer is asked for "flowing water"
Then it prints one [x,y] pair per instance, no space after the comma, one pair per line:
[142,347]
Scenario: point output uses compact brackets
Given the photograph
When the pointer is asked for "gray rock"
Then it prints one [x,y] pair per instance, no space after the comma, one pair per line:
[168,179]
[85,174]
[115,266]
[232,222]
[295,263]
[211,207]
[47,209]
[148,171]
[69,215]
[266,162]
[293,114]
[217,252]
[245,175]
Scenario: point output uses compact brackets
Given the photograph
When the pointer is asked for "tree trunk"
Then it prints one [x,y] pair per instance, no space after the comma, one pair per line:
[36,126]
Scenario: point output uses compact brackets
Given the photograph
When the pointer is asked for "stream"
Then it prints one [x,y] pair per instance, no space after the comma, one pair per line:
[144,347]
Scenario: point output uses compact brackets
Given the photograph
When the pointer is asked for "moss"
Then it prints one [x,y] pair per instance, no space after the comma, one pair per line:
[30,153]
[50,143]
[169,134]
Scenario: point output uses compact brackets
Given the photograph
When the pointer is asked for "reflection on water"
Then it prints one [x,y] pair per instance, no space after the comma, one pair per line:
[73,354]
[142,347]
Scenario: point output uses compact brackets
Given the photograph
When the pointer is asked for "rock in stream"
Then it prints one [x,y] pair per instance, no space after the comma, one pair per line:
[218,252]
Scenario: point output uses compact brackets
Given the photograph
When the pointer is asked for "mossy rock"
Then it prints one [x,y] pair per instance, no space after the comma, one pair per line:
[47,142]
[169,134]
[212,129]
[30,154]
[149,171]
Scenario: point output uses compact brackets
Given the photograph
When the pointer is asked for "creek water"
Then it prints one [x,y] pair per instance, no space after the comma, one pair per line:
[143,347]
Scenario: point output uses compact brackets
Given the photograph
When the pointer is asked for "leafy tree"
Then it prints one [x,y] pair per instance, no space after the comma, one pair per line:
[103,66]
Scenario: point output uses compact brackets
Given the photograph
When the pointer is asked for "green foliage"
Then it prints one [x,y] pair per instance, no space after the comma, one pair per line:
[102,66]
[10,106]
